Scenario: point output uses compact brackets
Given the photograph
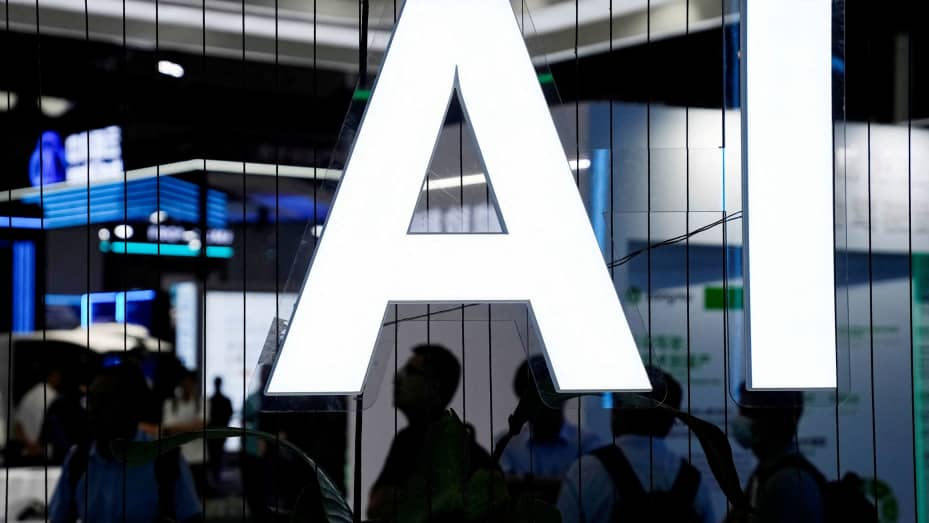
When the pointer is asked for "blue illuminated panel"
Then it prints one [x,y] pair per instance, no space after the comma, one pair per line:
[133,201]
[20,222]
[23,286]
[164,249]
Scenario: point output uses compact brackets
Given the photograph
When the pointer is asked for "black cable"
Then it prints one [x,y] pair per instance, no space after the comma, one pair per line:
[363,44]
[677,239]
[838,438]
[871,303]
[359,405]
[577,182]
[909,169]
[38,44]
[242,457]
[648,222]
[9,356]
[687,336]
[725,249]
[396,409]
[88,235]
[490,381]
[203,271]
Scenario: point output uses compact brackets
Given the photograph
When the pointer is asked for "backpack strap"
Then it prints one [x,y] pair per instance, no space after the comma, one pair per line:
[792,461]
[686,483]
[167,472]
[620,471]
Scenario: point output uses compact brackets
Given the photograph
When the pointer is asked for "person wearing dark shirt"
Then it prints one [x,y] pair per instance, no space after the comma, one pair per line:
[784,487]
[96,485]
[65,423]
[423,390]
[220,414]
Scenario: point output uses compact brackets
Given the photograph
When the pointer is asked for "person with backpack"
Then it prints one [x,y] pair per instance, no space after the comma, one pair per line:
[638,478]
[785,487]
[97,486]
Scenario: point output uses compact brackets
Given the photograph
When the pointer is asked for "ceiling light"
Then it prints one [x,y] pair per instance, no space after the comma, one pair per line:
[7,101]
[157,217]
[123,231]
[169,68]
[53,107]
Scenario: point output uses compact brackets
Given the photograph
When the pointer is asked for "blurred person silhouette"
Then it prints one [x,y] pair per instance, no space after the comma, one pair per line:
[65,423]
[538,457]
[638,478]
[97,486]
[220,414]
[185,413]
[31,410]
[784,486]
[423,390]
[254,469]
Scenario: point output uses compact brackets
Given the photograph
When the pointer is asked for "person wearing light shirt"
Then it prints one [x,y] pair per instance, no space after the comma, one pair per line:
[590,495]
[538,457]
[30,413]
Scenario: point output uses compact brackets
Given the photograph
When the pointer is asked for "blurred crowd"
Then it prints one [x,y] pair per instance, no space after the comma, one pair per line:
[81,416]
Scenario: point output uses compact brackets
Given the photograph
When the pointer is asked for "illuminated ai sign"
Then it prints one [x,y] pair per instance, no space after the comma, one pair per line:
[366,258]
[787,193]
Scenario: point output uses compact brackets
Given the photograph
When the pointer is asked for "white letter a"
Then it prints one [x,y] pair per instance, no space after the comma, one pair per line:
[548,257]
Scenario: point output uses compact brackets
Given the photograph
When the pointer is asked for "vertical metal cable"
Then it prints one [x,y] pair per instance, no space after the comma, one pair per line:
[88,240]
[9,356]
[42,230]
[359,401]
[909,171]
[612,229]
[838,439]
[490,381]
[687,336]
[871,288]
[158,215]
[648,219]
[724,242]
[203,271]
[277,287]
[396,348]
[577,182]
[245,273]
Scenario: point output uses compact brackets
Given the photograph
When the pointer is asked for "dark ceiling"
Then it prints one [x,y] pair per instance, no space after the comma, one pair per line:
[229,109]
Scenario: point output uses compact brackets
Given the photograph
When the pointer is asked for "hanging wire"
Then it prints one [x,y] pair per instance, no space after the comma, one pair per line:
[359,400]
[648,221]
[88,238]
[242,449]
[9,356]
[42,229]
[158,372]
[724,242]
[838,437]
[874,491]
[577,182]
[687,335]
[203,271]
[909,187]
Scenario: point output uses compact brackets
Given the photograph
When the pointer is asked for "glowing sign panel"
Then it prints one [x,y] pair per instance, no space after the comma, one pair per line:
[551,262]
[788,194]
